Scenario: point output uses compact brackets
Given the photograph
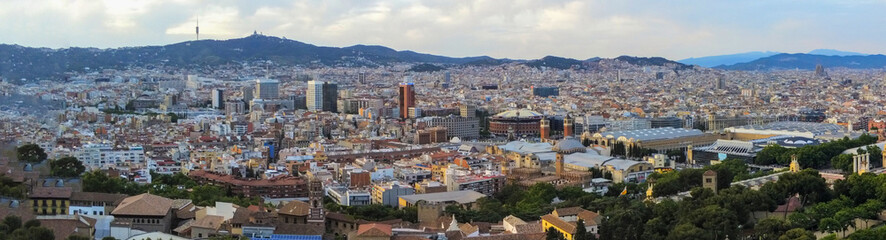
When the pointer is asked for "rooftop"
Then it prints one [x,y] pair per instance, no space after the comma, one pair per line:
[462,197]
[651,134]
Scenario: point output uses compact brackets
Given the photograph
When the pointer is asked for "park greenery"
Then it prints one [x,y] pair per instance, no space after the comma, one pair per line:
[812,156]
[12,228]
[9,188]
[175,186]
[30,153]
[66,167]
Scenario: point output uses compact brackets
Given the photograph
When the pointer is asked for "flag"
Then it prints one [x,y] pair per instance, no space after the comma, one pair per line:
[625,191]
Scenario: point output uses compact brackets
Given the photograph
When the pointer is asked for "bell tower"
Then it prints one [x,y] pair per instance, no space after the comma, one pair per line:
[316,214]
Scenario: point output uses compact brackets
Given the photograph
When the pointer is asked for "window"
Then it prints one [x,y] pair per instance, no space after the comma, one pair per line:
[708,180]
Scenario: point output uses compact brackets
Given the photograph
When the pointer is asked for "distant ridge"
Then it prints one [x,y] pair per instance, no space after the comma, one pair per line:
[832,52]
[729,59]
[26,62]
[809,61]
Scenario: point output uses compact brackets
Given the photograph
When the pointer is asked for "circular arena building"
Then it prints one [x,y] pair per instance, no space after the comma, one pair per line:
[524,122]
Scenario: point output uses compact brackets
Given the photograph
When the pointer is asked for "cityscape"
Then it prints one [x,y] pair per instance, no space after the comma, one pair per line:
[201,129]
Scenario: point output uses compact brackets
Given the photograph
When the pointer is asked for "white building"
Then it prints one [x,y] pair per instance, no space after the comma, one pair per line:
[314,98]
[104,156]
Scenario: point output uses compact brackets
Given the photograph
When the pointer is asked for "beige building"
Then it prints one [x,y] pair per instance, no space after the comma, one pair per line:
[660,139]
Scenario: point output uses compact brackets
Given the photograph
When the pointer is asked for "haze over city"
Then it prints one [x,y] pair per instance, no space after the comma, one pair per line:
[442,120]
[514,29]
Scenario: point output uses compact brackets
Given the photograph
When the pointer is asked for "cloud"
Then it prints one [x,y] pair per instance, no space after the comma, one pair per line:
[512,29]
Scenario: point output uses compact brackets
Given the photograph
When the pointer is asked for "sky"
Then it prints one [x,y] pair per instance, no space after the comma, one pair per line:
[518,29]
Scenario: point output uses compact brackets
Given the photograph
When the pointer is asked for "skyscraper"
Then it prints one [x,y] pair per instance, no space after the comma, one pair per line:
[267,88]
[330,97]
[447,79]
[218,98]
[315,95]
[406,99]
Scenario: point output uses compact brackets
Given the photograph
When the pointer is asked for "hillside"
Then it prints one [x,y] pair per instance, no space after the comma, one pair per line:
[809,61]
[729,59]
[26,62]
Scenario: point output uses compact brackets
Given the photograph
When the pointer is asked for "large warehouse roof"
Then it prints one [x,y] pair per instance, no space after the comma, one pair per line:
[651,134]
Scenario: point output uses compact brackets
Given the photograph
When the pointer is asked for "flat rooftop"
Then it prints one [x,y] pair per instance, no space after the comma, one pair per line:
[462,197]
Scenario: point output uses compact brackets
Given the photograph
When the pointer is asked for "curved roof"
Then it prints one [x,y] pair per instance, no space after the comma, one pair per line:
[518,113]
[568,144]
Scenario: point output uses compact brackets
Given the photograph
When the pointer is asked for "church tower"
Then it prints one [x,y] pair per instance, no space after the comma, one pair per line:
[545,129]
[795,165]
[568,126]
[316,214]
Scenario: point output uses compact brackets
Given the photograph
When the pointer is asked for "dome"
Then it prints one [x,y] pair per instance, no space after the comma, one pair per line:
[519,113]
[569,145]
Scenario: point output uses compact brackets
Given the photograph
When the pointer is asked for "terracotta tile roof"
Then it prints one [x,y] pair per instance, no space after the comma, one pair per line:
[468,229]
[295,208]
[299,229]
[209,222]
[62,228]
[281,180]
[184,228]
[559,223]
[144,205]
[529,228]
[516,236]
[241,216]
[571,211]
[340,217]
[590,218]
[374,230]
[97,197]
[51,192]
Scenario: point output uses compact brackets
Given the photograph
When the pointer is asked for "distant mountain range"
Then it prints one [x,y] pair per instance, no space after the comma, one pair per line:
[809,61]
[732,59]
[44,63]
[26,62]
[728,59]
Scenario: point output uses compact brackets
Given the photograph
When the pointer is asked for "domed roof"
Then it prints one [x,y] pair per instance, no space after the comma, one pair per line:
[568,145]
[519,113]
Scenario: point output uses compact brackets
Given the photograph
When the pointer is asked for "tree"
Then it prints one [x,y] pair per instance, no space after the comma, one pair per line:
[687,231]
[77,237]
[553,234]
[11,223]
[830,225]
[581,233]
[66,167]
[771,228]
[30,153]
[797,234]
[842,162]
[770,154]
[32,223]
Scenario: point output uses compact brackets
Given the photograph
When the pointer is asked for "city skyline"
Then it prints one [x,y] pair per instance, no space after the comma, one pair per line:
[522,30]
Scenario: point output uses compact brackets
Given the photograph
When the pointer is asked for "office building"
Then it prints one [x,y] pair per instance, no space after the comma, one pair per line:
[545,91]
[314,98]
[406,98]
[218,98]
[267,88]
[468,110]
[330,97]
[388,193]
[461,127]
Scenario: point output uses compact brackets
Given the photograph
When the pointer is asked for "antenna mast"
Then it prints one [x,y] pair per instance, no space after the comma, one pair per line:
[198,28]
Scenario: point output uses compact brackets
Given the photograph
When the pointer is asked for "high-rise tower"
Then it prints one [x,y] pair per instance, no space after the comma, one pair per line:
[406,98]
[545,129]
[198,28]
[314,96]
[568,126]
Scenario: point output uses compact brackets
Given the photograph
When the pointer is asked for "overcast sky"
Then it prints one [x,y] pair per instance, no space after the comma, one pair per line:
[498,28]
